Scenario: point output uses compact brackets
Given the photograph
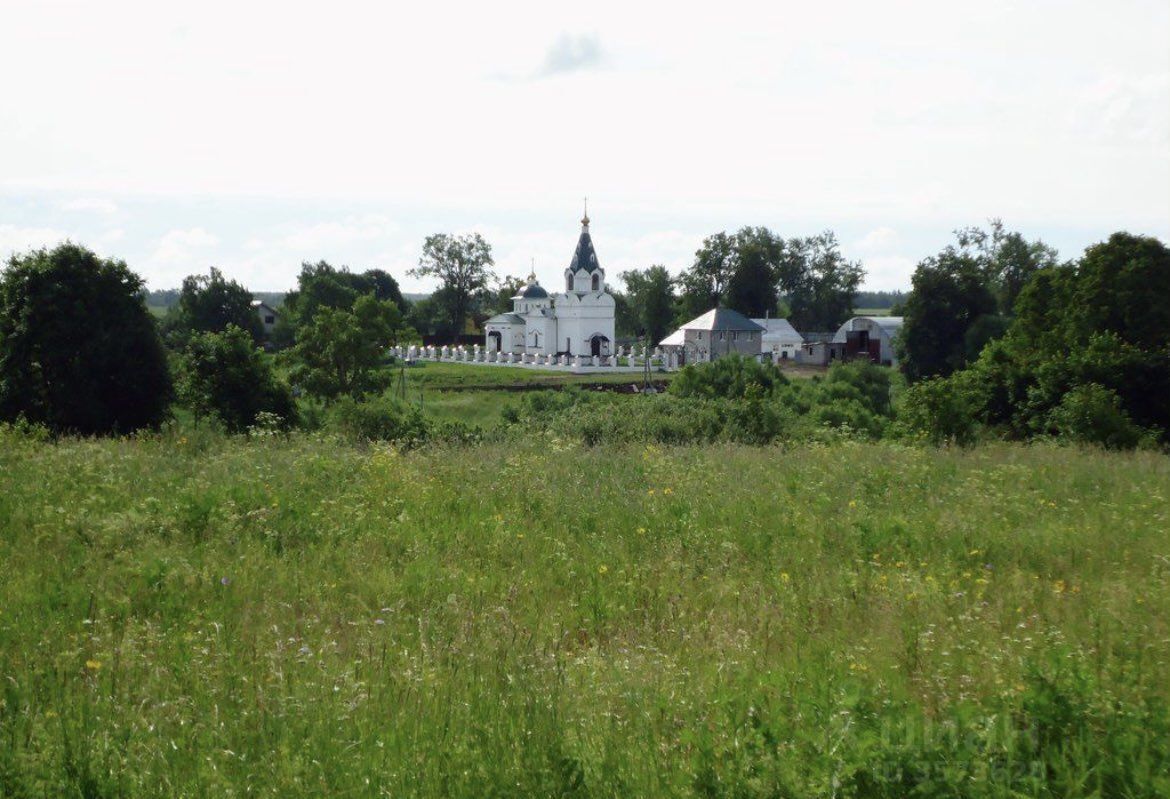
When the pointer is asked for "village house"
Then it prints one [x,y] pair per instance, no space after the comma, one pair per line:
[719,332]
[779,340]
[268,316]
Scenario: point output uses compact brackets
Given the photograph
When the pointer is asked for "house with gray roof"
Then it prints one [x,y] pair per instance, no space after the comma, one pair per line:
[719,332]
[780,339]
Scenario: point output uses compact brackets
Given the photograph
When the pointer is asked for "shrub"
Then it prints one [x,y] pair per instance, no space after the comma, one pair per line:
[1092,414]
[224,375]
[379,419]
[941,410]
[871,384]
[729,377]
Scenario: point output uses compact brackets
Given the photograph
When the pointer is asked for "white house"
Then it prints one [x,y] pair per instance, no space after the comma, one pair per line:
[720,331]
[577,321]
[268,315]
[780,339]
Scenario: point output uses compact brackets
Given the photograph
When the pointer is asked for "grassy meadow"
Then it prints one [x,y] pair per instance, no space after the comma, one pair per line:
[191,614]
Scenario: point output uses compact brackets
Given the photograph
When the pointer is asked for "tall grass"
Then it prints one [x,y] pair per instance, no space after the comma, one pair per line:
[204,616]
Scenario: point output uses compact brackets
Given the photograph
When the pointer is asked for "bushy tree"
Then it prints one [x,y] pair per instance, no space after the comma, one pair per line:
[322,285]
[950,294]
[1008,260]
[1122,287]
[751,289]
[223,375]
[209,304]
[338,354]
[650,293]
[79,352]
[462,265]
[750,269]
[966,297]
[1080,359]
[1092,414]
[818,282]
[704,283]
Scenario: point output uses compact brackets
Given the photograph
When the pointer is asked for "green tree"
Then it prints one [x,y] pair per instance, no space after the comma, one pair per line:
[950,293]
[340,351]
[818,282]
[650,293]
[500,299]
[1008,260]
[751,290]
[704,284]
[79,352]
[209,303]
[224,375]
[462,265]
[322,285]
[1123,287]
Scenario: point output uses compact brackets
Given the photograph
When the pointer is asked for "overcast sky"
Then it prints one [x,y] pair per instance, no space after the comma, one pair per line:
[253,136]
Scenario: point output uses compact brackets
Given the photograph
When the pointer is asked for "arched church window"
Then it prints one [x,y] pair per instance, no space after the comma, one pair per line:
[568,282]
[596,282]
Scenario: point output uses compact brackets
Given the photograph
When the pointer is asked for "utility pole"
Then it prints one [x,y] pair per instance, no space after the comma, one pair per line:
[646,365]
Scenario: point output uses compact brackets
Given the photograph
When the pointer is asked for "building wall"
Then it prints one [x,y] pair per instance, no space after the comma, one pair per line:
[700,346]
[579,318]
[511,337]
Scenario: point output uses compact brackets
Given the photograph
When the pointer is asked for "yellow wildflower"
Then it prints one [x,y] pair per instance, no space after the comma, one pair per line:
[602,569]
[93,665]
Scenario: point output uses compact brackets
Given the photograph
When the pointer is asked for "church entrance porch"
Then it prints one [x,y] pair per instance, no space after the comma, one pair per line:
[599,345]
[494,339]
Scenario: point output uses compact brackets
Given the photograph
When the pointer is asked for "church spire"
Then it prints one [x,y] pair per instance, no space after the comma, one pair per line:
[585,218]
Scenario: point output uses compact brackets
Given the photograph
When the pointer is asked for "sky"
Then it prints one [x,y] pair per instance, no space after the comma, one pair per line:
[255,136]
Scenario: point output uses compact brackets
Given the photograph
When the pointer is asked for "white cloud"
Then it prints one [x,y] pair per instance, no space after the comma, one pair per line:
[17,239]
[888,272]
[90,205]
[572,53]
[878,241]
[180,253]
[1119,109]
[324,236]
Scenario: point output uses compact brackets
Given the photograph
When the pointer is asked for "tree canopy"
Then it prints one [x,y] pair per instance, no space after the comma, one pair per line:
[79,352]
[322,285]
[208,304]
[650,296]
[223,375]
[462,265]
[966,296]
[338,353]
[750,269]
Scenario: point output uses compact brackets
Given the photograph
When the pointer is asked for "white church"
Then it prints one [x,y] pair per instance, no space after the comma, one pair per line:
[577,321]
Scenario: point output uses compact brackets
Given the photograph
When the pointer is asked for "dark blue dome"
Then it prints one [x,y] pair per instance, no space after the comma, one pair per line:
[533,291]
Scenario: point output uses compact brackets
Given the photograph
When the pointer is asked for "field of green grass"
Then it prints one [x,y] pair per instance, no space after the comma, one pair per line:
[461,376]
[195,615]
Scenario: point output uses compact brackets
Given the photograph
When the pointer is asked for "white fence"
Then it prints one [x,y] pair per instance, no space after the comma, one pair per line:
[627,359]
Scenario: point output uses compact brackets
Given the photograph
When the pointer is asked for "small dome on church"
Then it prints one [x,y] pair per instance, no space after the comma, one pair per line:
[533,291]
